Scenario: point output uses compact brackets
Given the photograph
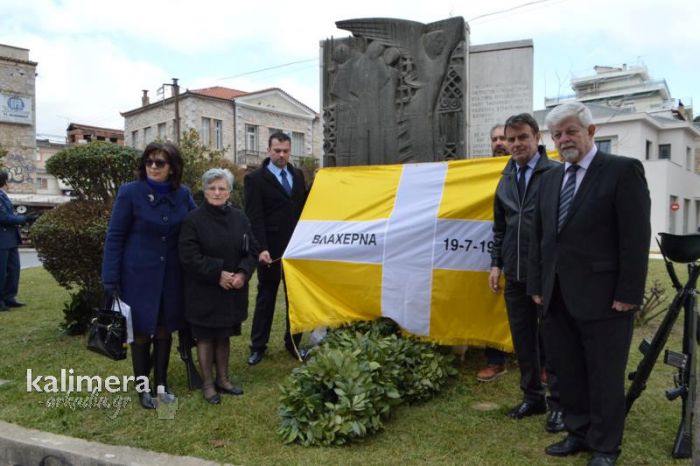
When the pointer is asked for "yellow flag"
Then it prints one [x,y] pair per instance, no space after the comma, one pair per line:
[409,242]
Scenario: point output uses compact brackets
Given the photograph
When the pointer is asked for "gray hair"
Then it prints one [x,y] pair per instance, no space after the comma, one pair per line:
[493,128]
[567,110]
[214,174]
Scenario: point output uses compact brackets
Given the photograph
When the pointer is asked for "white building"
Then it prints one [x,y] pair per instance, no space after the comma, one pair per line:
[666,147]
[235,121]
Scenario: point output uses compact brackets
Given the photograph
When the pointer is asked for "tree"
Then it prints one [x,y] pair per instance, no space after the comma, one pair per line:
[198,159]
[70,238]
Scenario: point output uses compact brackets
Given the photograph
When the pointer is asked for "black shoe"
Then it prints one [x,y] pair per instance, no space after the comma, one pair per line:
[569,446]
[555,421]
[146,400]
[229,391]
[215,399]
[601,459]
[527,408]
[4,308]
[255,357]
[14,303]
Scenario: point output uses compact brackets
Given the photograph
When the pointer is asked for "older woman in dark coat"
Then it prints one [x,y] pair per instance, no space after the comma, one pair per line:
[141,261]
[218,255]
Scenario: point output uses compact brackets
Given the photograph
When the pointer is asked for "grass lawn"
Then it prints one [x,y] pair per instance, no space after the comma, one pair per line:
[465,424]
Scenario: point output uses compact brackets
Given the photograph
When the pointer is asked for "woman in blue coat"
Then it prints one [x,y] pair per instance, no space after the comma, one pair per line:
[141,259]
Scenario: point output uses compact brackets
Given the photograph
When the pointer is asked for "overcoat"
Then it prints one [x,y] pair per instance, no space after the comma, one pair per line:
[212,240]
[140,256]
[9,223]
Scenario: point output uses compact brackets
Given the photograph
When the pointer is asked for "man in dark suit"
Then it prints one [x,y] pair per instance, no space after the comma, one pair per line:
[514,203]
[274,198]
[9,240]
[588,265]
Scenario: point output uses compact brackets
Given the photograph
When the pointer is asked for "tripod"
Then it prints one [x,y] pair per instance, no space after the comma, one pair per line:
[684,249]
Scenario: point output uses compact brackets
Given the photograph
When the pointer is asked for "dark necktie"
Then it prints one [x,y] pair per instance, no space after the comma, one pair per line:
[521,181]
[567,194]
[285,183]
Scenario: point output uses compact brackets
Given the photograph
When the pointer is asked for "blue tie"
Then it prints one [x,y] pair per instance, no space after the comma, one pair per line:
[521,181]
[567,195]
[285,183]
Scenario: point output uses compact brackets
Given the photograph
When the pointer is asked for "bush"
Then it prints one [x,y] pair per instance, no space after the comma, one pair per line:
[95,170]
[352,380]
[69,240]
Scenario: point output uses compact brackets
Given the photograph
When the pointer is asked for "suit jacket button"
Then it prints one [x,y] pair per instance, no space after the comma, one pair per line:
[162,238]
[165,218]
[162,259]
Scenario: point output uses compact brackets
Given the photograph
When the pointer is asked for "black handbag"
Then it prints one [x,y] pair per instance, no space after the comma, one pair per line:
[107,333]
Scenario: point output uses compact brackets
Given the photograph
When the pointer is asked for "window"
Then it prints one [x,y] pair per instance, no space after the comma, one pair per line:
[688,159]
[251,138]
[42,183]
[297,144]
[648,151]
[219,134]
[147,135]
[665,151]
[205,133]
[686,216]
[134,138]
[161,131]
[604,145]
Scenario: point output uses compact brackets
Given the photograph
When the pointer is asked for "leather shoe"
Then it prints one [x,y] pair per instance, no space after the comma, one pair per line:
[229,391]
[146,400]
[569,446]
[14,303]
[4,308]
[215,399]
[601,459]
[555,421]
[255,357]
[527,408]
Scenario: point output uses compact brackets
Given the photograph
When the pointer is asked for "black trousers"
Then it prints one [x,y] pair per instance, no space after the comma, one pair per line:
[591,359]
[269,279]
[524,321]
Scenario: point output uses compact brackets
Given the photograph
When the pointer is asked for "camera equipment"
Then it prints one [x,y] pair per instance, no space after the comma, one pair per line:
[683,249]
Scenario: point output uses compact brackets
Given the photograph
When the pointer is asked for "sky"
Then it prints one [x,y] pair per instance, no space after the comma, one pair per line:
[95,56]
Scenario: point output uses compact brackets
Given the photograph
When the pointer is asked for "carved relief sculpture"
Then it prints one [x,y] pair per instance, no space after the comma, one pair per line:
[394,92]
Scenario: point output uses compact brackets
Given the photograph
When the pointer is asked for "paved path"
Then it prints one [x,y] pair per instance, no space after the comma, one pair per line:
[28,258]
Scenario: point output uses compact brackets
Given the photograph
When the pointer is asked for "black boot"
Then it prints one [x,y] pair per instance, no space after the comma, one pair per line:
[185,344]
[141,361]
[161,356]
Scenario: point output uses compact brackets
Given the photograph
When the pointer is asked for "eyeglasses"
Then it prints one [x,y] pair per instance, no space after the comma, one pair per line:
[159,163]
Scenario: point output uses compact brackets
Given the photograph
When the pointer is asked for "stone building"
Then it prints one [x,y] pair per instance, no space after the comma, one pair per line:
[18,116]
[227,119]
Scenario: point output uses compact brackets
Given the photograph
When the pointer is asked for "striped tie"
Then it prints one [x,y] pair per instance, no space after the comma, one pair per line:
[567,195]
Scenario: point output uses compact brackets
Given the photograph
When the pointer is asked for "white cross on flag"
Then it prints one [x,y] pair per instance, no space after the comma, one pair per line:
[409,242]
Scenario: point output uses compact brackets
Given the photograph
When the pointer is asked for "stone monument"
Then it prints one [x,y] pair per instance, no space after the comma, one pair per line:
[500,85]
[395,92]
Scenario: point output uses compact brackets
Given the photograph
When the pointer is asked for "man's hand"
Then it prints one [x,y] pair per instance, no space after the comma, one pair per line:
[226,280]
[494,275]
[238,280]
[537,298]
[265,258]
[623,307]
